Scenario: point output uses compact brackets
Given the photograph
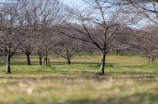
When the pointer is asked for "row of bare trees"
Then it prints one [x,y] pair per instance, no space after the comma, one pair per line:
[23,20]
[50,26]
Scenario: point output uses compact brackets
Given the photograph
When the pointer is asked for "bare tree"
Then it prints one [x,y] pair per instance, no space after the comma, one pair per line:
[43,45]
[124,36]
[40,48]
[99,23]
[147,44]
[147,8]
[12,34]
[41,15]
[27,47]
[66,47]
[51,13]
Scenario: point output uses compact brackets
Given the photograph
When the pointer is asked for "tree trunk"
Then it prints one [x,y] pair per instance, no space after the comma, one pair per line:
[40,59]
[49,63]
[28,59]
[45,60]
[102,64]
[68,61]
[148,60]
[117,52]
[22,51]
[8,70]
[68,57]
[152,60]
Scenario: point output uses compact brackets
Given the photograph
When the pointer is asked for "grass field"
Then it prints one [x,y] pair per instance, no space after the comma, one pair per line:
[127,80]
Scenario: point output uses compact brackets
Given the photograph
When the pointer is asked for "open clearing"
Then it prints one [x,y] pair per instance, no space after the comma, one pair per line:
[128,80]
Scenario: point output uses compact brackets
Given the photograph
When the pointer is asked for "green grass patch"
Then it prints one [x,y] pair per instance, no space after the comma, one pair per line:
[127,80]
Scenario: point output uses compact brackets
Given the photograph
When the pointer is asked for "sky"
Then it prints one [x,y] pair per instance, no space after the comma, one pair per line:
[78,2]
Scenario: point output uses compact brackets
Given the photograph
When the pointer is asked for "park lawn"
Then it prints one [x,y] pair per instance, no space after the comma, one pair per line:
[127,80]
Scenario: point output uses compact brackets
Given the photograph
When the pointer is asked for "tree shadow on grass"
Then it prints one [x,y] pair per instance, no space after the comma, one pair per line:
[64,63]
[23,62]
[86,63]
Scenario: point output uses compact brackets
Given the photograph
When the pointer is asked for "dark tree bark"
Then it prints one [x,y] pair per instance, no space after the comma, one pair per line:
[152,60]
[8,70]
[68,61]
[102,63]
[148,60]
[116,52]
[46,60]
[28,59]
[68,56]
[40,59]
[40,53]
